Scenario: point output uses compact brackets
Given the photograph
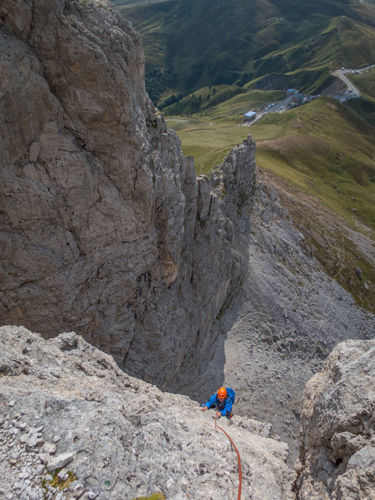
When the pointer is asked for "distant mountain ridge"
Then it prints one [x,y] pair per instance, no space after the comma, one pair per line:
[197,43]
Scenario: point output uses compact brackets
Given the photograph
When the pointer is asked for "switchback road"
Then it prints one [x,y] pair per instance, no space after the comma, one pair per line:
[340,73]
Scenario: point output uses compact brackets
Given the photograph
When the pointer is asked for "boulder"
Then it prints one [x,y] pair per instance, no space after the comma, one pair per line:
[338,426]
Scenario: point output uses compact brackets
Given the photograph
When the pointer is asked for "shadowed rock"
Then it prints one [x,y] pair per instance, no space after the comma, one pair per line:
[104,228]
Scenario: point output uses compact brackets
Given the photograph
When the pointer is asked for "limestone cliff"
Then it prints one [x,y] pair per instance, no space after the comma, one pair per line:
[104,227]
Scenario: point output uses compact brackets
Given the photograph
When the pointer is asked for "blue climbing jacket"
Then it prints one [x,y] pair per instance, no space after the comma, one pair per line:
[225,407]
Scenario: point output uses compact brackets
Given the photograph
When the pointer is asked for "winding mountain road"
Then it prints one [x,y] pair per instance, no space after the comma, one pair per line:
[340,73]
[352,88]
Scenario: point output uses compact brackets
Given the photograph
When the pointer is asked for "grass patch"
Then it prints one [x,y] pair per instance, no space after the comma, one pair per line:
[209,144]
[57,483]
[326,150]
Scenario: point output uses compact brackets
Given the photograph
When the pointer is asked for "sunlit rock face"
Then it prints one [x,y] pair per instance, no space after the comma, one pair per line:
[66,405]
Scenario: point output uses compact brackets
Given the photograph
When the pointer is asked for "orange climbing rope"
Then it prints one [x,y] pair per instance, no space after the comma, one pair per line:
[238,457]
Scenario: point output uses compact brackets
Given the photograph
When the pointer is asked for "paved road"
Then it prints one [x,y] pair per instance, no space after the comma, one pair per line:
[366,68]
[340,73]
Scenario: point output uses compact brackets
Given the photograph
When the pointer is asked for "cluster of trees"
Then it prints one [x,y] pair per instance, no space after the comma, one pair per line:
[194,104]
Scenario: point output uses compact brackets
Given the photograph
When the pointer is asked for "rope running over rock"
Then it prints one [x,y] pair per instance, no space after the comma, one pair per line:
[238,457]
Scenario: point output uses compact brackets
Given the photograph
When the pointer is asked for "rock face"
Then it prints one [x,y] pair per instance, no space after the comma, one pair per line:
[64,403]
[338,420]
[104,227]
[286,319]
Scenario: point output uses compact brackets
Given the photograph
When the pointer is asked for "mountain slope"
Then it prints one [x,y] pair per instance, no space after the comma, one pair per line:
[365,106]
[199,43]
[328,148]
[324,151]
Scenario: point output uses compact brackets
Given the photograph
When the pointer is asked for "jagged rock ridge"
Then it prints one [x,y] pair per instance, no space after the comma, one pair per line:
[104,227]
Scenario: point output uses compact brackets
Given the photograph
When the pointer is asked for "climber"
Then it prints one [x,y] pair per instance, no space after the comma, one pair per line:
[223,401]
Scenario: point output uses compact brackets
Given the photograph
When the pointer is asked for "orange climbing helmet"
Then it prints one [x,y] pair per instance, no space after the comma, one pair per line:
[222,393]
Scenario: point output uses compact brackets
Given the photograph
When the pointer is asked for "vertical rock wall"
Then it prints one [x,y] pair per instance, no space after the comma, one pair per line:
[104,227]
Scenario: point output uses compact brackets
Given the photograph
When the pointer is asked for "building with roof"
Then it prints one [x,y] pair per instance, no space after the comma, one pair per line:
[250,115]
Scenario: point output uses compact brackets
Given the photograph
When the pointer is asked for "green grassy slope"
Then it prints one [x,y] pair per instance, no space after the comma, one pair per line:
[198,43]
[322,147]
[323,151]
[210,135]
[365,106]
[326,149]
